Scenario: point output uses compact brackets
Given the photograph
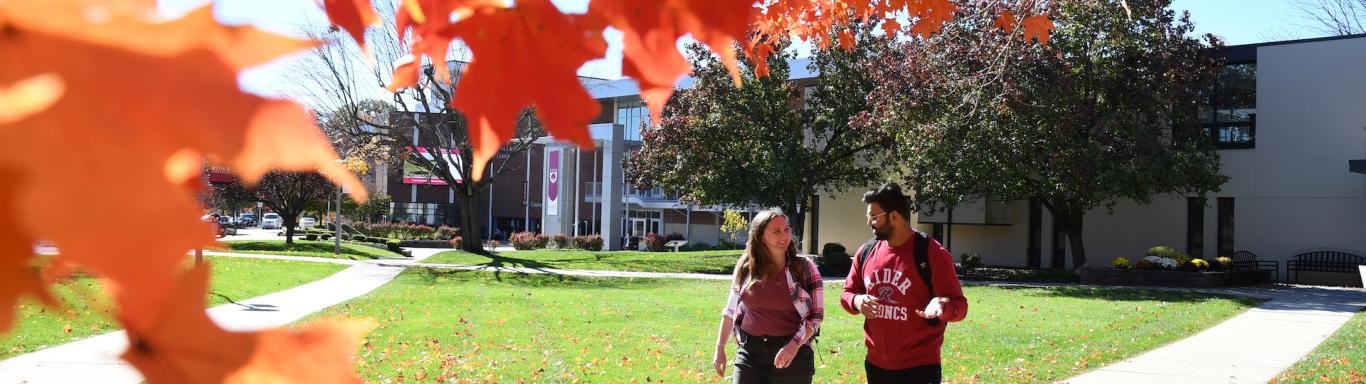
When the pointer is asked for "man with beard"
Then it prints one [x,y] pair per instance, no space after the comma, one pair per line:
[905,286]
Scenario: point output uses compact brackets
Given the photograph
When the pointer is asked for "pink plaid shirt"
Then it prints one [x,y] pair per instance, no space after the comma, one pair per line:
[809,300]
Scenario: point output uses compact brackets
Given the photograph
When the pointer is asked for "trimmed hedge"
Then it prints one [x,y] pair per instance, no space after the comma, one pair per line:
[590,242]
[523,241]
[654,242]
[406,231]
[556,241]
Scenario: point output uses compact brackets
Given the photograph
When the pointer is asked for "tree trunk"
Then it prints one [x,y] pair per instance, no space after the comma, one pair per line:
[1075,243]
[471,228]
[796,219]
[290,221]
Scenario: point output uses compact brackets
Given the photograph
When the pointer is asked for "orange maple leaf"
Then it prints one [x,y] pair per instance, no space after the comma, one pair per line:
[1006,21]
[890,26]
[352,16]
[189,103]
[1037,27]
[846,39]
[178,343]
[650,32]
[28,96]
[431,36]
[932,14]
[499,82]
[17,277]
[143,105]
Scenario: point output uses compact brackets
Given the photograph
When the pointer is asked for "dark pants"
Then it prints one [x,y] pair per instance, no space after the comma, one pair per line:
[924,374]
[754,361]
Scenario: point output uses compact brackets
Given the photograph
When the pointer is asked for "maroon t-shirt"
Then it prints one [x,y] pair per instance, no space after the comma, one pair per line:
[896,337]
[768,309]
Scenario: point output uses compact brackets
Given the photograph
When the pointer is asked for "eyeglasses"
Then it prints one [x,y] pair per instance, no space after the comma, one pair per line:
[874,217]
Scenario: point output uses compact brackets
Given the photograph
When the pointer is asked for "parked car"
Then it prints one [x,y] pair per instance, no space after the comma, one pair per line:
[272,220]
[307,222]
[226,226]
[246,220]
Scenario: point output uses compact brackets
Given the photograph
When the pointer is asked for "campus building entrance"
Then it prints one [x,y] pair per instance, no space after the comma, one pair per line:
[640,223]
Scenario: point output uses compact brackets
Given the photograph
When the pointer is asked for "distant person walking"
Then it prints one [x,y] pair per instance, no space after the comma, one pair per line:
[905,286]
[775,308]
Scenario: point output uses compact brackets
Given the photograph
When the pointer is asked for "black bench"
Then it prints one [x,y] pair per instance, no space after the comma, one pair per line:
[1247,269]
[1323,261]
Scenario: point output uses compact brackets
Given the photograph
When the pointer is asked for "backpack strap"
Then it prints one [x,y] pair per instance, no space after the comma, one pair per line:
[866,251]
[922,263]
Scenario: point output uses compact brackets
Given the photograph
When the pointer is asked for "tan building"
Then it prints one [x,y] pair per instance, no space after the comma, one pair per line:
[1287,153]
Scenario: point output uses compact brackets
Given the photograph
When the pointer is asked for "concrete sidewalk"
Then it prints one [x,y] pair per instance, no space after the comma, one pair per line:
[1249,348]
[96,359]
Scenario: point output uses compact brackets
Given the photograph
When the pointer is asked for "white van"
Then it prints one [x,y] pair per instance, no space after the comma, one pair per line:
[272,220]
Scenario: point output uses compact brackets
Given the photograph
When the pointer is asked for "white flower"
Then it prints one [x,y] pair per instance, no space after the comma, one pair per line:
[1166,263]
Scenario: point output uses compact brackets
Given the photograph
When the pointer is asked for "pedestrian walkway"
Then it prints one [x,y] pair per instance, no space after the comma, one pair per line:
[1252,347]
[96,359]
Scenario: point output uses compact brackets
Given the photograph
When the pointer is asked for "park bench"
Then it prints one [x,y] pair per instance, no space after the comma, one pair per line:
[1246,269]
[1333,267]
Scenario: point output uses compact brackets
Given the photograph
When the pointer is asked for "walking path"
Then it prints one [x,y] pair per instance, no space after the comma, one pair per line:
[1252,347]
[96,359]
[1249,348]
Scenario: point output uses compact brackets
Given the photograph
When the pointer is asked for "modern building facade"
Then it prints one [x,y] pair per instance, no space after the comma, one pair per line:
[558,188]
[1289,119]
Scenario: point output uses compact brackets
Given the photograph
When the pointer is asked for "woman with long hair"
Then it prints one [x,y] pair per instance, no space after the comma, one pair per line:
[775,308]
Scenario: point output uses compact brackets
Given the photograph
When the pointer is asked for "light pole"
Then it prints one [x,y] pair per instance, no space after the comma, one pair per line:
[336,221]
[336,225]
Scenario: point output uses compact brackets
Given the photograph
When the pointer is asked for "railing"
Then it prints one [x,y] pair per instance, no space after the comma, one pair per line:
[594,189]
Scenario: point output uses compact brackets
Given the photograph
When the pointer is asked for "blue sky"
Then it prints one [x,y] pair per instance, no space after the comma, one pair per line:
[1236,21]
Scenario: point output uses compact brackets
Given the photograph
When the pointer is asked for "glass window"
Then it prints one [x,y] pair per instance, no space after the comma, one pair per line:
[633,116]
[1229,119]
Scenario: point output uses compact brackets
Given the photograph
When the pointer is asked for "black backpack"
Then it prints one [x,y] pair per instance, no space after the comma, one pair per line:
[922,263]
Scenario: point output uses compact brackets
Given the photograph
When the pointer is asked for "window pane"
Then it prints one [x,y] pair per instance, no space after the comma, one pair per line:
[1239,134]
[1235,98]
[1206,115]
[632,115]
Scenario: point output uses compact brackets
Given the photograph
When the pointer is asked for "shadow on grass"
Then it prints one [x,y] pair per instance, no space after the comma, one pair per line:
[436,275]
[664,266]
[303,247]
[498,262]
[1127,294]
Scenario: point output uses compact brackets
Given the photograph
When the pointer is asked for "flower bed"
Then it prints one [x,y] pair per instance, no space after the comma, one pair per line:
[1155,277]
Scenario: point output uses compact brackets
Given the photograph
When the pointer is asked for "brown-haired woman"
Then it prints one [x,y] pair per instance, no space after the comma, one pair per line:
[775,308]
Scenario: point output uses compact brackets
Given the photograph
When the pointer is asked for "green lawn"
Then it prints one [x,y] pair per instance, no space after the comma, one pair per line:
[309,248]
[39,327]
[719,262]
[1340,359]
[505,327]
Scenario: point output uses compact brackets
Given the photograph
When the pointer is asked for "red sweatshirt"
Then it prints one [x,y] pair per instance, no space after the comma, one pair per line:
[898,338]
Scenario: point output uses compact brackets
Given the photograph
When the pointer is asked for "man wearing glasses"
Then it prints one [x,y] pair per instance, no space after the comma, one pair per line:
[905,286]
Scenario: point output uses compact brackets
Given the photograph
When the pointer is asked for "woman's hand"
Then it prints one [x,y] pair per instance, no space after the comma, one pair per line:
[719,360]
[785,355]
